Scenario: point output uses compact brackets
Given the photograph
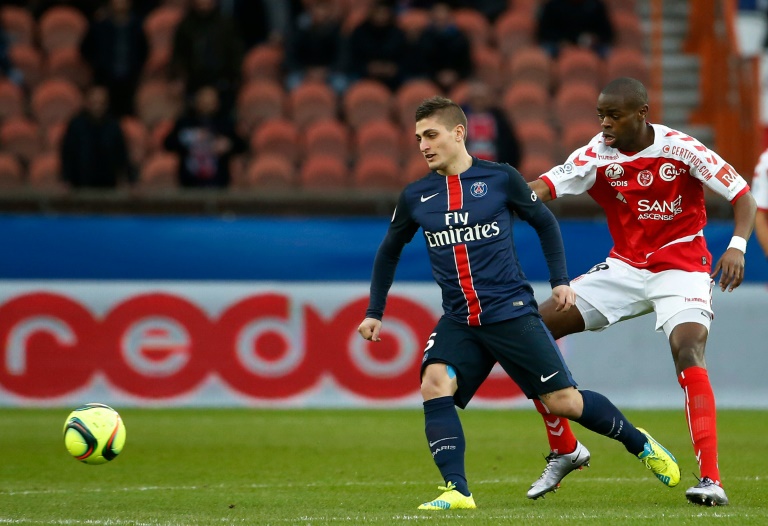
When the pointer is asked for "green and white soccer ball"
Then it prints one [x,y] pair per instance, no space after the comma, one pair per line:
[94,433]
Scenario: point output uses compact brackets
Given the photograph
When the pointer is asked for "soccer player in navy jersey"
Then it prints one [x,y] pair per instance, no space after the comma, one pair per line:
[650,181]
[465,208]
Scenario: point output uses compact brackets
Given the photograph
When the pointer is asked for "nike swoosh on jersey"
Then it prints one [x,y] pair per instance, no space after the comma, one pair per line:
[545,378]
[440,440]
[425,199]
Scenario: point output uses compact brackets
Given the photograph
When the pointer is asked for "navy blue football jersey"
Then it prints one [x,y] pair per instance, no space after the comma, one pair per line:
[466,221]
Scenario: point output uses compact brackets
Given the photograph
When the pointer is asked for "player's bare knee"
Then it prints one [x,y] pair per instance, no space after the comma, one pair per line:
[565,402]
[437,382]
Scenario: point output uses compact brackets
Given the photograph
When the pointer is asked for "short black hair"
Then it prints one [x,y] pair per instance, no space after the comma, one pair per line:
[631,89]
[446,110]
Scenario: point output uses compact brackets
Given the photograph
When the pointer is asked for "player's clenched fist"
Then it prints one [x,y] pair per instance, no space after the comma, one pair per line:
[564,297]
[370,329]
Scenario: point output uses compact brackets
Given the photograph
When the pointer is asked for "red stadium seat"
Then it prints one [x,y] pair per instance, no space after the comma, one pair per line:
[20,136]
[474,25]
[537,138]
[526,101]
[67,63]
[576,103]
[257,102]
[45,173]
[62,26]
[488,66]
[11,173]
[366,100]
[409,96]
[55,100]
[11,100]
[263,62]
[154,103]
[329,137]
[312,101]
[136,138]
[18,24]
[160,26]
[415,168]
[29,61]
[626,62]
[514,30]
[377,172]
[460,92]
[159,173]
[530,64]
[53,135]
[276,136]
[629,33]
[578,134]
[324,172]
[534,165]
[413,22]
[381,137]
[270,172]
[577,65]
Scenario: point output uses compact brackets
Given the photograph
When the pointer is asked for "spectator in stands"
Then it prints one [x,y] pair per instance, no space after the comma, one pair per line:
[260,21]
[93,149]
[207,51]
[583,23]
[376,48]
[314,51]
[86,7]
[7,69]
[116,48]
[490,135]
[443,50]
[205,140]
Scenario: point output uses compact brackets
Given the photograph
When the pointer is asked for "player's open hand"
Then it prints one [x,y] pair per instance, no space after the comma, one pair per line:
[564,296]
[370,329]
[731,268]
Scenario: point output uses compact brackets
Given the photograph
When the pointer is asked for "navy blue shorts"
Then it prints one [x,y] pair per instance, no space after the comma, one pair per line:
[522,346]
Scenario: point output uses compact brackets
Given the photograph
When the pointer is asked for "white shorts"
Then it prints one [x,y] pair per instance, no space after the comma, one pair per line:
[614,291]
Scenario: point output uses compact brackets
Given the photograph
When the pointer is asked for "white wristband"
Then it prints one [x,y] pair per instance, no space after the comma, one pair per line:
[738,243]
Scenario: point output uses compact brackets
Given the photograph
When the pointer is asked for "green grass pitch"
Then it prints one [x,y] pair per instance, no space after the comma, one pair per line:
[349,467]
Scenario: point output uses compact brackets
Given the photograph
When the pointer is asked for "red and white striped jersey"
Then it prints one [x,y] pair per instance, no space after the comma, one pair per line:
[653,199]
[760,182]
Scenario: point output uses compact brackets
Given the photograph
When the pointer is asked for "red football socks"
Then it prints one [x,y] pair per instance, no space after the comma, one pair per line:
[561,439]
[702,421]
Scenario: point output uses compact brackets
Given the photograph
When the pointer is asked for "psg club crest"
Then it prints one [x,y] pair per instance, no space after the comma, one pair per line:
[478,189]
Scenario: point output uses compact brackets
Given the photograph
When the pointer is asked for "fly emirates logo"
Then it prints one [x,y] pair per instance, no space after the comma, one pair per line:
[659,210]
[460,231]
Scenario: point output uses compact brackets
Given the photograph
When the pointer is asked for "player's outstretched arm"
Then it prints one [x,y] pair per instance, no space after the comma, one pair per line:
[564,296]
[731,264]
[370,329]
[542,190]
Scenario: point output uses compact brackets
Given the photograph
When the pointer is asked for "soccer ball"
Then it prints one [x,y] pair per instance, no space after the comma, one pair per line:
[94,433]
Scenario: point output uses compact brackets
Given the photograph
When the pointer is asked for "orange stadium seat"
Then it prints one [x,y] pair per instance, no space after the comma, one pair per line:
[68,64]
[20,136]
[578,134]
[537,138]
[55,100]
[579,66]
[263,62]
[530,64]
[62,26]
[377,172]
[327,136]
[53,135]
[45,172]
[276,136]
[11,173]
[366,100]
[18,24]
[257,102]
[11,99]
[355,15]
[324,172]
[474,25]
[576,103]
[487,64]
[160,26]
[526,7]
[535,165]
[159,173]
[270,171]
[627,30]
[460,92]
[157,65]
[136,138]
[153,102]
[514,30]
[621,5]
[29,61]
[415,168]
[312,101]
[526,101]
[626,62]
[158,133]
[413,22]
[380,137]
[409,96]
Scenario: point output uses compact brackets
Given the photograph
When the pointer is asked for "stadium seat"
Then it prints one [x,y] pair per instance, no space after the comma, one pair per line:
[621,5]
[68,64]
[413,22]
[158,133]
[11,173]
[355,15]
[61,26]
[159,173]
[157,65]
[312,101]
[257,102]
[576,135]
[487,66]
[409,96]
[534,165]
[276,136]
[270,172]
[537,138]
[514,30]
[626,62]
[474,25]
[415,168]
[29,61]
[324,172]
[578,65]
[380,137]
[44,173]
[18,25]
[460,93]
[530,64]
[526,101]
[11,99]
[160,26]
[377,172]
[55,100]
[327,136]
[53,135]
[629,33]
[20,136]
[263,62]
[153,102]
[366,100]
[136,138]
[576,103]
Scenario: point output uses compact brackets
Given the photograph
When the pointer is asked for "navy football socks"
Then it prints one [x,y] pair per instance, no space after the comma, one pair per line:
[446,440]
[601,416]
